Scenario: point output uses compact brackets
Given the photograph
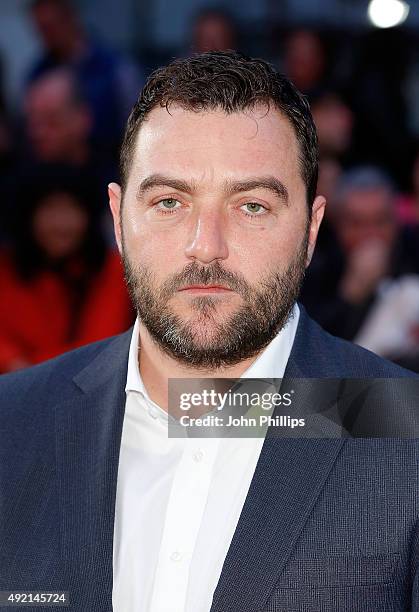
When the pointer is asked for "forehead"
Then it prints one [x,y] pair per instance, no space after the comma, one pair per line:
[212,144]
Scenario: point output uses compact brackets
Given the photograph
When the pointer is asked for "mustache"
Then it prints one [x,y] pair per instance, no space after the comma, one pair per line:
[194,274]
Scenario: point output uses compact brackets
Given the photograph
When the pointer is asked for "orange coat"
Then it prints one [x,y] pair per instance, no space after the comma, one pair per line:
[35,315]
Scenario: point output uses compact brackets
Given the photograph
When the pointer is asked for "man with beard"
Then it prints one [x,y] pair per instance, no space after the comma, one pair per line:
[216,220]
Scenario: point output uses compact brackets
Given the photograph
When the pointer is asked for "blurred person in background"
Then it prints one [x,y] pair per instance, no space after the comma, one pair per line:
[304,62]
[60,286]
[58,119]
[109,80]
[368,291]
[334,123]
[58,126]
[214,29]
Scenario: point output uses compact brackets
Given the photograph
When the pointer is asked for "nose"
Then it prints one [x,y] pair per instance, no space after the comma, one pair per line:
[207,240]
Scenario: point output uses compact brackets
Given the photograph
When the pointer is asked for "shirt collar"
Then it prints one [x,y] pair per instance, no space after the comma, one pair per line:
[134,380]
[271,363]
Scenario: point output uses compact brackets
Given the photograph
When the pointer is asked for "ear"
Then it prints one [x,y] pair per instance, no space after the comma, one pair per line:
[317,213]
[114,192]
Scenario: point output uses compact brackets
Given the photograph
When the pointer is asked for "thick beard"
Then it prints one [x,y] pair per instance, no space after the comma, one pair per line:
[264,312]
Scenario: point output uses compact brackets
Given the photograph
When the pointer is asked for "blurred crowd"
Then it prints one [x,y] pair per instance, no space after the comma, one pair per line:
[61,280]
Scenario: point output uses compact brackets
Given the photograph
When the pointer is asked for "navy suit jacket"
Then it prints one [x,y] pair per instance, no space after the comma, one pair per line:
[327,525]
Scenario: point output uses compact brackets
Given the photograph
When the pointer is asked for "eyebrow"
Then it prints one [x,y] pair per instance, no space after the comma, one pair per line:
[270,183]
[159,180]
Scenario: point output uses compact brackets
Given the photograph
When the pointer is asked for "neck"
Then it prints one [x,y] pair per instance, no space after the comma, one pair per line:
[156,367]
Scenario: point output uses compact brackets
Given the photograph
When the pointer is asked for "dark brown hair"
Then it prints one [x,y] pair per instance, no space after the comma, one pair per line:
[232,82]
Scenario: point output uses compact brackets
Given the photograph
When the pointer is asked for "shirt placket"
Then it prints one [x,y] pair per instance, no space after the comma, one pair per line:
[187,500]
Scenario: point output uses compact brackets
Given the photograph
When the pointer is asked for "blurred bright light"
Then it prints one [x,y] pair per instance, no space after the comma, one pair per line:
[387,13]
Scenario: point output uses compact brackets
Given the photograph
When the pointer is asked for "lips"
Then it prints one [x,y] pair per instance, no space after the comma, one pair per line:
[205,288]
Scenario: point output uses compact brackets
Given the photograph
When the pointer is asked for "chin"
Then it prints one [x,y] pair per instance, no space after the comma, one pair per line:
[204,328]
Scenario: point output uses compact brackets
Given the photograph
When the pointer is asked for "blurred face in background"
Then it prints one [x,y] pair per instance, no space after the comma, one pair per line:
[304,59]
[58,125]
[215,231]
[59,225]
[366,216]
[57,27]
[213,32]
[334,123]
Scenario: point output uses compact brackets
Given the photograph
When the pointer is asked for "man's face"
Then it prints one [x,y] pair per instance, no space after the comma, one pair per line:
[215,231]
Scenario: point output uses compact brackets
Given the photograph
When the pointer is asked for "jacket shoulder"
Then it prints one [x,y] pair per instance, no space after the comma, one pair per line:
[52,376]
[324,355]
[363,362]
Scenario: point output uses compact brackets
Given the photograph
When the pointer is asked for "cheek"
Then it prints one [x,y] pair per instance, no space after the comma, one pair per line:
[267,251]
[138,244]
[159,251]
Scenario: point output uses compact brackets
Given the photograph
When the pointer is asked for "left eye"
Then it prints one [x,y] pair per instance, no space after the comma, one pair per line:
[167,204]
[253,208]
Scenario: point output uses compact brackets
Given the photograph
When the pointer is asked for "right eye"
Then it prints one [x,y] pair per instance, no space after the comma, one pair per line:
[167,205]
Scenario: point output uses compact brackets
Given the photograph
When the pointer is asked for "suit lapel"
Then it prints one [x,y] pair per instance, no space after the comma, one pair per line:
[88,435]
[288,479]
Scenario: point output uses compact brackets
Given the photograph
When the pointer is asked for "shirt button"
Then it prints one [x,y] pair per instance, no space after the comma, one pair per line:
[175,556]
[198,456]
[152,413]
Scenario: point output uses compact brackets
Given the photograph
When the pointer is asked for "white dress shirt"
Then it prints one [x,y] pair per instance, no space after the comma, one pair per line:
[179,500]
